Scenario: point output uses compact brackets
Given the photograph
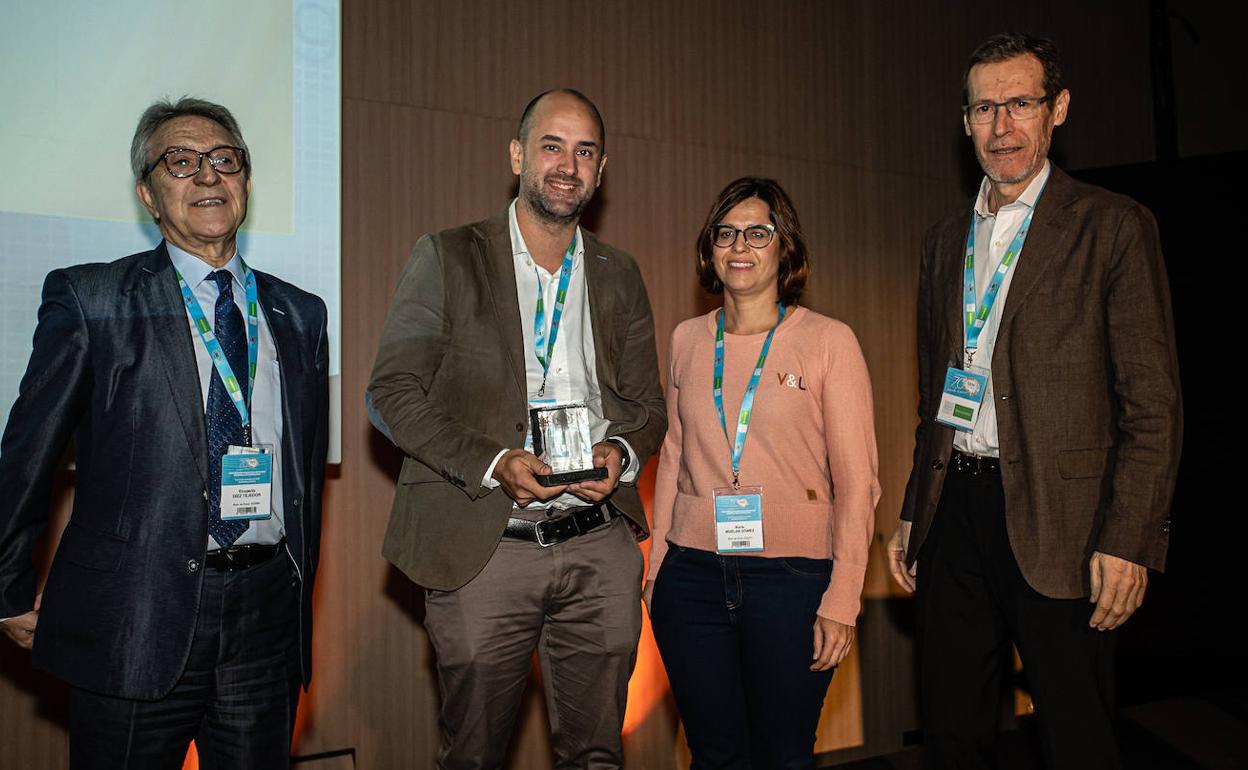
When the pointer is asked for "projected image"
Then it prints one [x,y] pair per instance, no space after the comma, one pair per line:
[79,73]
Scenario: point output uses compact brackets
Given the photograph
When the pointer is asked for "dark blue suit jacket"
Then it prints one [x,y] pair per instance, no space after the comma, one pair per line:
[114,365]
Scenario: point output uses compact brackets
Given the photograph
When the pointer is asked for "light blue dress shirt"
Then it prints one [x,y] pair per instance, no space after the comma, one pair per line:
[266,398]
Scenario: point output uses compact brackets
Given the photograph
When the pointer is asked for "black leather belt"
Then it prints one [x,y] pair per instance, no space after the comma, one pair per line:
[975,465]
[572,524]
[238,557]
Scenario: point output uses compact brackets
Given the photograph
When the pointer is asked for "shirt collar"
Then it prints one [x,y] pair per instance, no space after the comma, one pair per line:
[195,270]
[520,249]
[1028,198]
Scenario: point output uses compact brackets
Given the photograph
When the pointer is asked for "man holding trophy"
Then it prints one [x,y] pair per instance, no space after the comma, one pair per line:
[517,371]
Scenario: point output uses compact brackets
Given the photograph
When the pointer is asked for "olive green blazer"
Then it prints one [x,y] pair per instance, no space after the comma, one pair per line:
[448,388]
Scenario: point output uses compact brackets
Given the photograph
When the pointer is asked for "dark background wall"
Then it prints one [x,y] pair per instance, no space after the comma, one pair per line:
[853,106]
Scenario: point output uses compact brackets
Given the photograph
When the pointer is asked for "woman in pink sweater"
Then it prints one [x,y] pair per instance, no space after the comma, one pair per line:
[760,545]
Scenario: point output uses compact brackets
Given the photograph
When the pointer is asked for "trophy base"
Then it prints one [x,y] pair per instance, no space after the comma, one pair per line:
[559,479]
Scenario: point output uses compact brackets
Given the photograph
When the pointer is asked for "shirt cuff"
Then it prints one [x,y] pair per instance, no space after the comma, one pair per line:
[633,470]
[489,482]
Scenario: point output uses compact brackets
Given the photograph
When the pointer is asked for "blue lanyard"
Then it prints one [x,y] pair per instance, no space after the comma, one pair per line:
[747,400]
[215,352]
[545,350]
[977,317]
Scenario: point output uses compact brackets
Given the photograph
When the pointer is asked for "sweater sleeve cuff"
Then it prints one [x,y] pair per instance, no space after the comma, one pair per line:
[843,599]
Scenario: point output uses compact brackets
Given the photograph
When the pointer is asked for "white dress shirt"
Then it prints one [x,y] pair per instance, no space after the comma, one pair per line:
[573,373]
[996,232]
[266,398]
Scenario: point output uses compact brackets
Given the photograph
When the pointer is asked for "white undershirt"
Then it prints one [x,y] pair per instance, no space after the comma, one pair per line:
[995,231]
[573,373]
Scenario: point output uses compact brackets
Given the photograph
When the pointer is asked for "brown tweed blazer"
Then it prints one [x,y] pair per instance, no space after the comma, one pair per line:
[1085,379]
[448,389]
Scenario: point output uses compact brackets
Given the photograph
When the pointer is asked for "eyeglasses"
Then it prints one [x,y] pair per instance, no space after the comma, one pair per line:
[756,236]
[183,162]
[1019,108]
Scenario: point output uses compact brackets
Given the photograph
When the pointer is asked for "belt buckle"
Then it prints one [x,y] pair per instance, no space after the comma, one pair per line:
[226,557]
[968,463]
[540,530]
[573,522]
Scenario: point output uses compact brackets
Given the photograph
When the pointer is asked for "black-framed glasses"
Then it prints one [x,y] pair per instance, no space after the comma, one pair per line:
[183,162]
[1019,108]
[756,236]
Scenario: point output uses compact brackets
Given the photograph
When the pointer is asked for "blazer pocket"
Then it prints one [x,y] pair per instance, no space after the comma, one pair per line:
[1082,463]
[88,548]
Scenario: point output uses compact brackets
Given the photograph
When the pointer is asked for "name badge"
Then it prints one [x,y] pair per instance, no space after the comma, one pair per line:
[962,399]
[246,483]
[738,519]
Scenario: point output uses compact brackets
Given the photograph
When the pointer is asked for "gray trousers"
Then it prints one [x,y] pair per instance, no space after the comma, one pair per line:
[579,605]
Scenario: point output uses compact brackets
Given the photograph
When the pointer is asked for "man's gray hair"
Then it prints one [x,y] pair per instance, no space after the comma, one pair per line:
[165,110]
[1009,45]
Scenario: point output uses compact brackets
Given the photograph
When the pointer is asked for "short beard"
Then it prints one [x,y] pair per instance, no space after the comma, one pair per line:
[999,179]
[532,195]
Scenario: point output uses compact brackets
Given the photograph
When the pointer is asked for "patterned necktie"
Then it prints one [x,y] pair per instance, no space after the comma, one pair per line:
[225,426]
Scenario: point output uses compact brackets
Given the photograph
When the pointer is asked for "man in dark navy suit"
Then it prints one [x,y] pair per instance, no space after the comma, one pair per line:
[178,606]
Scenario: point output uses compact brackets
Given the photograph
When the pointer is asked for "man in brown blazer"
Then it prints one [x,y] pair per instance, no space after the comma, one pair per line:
[1034,515]
[523,309]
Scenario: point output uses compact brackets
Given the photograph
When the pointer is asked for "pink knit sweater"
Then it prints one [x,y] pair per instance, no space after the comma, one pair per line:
[811,446]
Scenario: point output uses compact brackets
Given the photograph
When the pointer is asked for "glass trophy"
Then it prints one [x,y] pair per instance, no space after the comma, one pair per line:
[561,440]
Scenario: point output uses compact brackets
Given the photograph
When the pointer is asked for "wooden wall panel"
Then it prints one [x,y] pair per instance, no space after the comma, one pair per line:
[852,105]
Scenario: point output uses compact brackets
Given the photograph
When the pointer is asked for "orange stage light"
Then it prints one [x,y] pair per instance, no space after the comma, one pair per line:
[648,685]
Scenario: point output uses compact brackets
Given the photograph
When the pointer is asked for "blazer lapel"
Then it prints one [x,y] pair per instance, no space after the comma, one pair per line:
[603,306]
[1044,240]
[164,310]
[278,316]
[493,244]
[947,285]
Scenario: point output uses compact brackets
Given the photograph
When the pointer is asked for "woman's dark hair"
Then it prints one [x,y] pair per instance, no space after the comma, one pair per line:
[794,269]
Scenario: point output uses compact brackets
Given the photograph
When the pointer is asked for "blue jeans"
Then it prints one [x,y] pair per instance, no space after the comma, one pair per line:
[737,637]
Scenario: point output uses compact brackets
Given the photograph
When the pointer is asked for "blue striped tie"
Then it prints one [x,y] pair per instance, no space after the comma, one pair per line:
[225,426]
